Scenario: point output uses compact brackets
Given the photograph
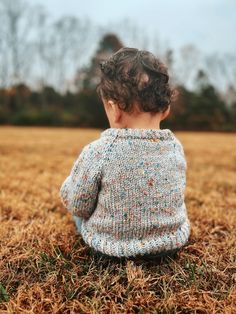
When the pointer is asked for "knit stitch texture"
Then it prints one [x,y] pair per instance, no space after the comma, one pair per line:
[129,188]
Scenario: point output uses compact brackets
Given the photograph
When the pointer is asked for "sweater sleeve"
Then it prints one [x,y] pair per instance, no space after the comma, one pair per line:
[181,152]
[80,189]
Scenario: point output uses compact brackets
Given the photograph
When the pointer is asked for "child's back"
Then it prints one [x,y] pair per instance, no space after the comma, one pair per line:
[140,206]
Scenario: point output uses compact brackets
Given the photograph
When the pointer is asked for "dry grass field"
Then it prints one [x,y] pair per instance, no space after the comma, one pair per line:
[45,267]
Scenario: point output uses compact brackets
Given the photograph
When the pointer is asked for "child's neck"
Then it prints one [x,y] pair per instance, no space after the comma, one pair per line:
[142,125]
[144,120]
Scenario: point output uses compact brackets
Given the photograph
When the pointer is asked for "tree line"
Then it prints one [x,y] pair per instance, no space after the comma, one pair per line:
[202,110]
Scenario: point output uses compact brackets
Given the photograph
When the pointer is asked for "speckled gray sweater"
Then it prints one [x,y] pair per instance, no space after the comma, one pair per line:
[129,188]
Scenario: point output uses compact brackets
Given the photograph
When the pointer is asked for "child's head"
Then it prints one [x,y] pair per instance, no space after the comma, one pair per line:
[134,87]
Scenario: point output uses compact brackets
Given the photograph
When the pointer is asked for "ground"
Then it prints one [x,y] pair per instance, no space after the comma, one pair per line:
[45,267]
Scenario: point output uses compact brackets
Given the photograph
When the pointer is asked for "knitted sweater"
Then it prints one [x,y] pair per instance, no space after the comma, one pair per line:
[129,186]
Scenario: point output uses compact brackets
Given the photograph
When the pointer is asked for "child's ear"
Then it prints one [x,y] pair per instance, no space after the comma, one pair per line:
[165,113]
[116,112]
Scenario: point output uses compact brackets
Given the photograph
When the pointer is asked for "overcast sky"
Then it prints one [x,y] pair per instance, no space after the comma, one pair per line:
[208,24]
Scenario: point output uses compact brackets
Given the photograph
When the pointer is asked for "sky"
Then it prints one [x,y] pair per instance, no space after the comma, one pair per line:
[210,25]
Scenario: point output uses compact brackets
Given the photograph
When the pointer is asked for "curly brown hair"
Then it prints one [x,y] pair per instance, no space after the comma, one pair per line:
[135,76]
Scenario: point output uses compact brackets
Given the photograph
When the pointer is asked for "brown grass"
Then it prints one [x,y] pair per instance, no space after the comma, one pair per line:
[45,267]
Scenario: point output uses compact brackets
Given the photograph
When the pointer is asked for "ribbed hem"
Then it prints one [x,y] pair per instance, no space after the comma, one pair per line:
[161,134]
[120,248]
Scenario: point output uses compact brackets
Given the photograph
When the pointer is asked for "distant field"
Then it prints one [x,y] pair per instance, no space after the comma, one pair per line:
[46,268]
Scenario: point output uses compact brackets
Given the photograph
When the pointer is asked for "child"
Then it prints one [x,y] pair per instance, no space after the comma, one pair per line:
[126,189]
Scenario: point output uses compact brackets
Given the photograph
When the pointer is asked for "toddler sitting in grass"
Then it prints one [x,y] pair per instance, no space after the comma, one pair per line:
[126,190]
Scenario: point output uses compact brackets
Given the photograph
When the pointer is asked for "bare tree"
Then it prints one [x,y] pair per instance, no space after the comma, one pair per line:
[42,46]
[4,68]
[187,65]
[69,38]
[17,17]
[221,70]
[130,33]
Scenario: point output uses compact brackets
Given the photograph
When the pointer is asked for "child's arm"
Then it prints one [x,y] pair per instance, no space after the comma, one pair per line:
[80,189]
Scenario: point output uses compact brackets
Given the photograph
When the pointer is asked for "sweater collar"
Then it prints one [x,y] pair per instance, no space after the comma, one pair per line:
[162,134]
